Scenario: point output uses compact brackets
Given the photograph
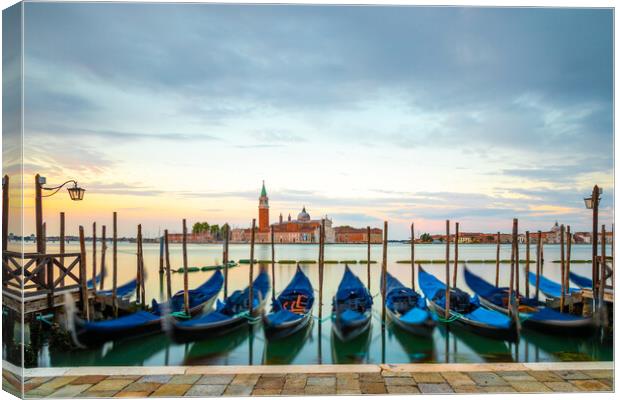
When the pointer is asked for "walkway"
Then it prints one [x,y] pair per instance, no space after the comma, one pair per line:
[315,380]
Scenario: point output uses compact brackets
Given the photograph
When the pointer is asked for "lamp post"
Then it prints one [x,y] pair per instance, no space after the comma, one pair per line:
[76,193]
[592,203]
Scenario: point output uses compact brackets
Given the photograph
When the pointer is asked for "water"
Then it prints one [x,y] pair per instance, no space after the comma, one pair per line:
[317,345]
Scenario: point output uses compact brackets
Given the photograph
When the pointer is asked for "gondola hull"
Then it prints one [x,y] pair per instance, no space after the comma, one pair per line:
[579,327]
[184,334]
[477,327]
[278,331]
[350,330]
[424,329]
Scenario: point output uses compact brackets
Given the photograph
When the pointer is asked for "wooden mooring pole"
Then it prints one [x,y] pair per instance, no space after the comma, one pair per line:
[138,269]
[114,263]
[83,276]
[538,262]
[62,243]
[161,255]
[94,257]
[321,265]
[412,257]
[497,260]
[563,268]
[447,300]
[225,260]
[601,290]
[5,213]
[512,263]
[273,264]
[456,253]
[368,256]
[185,272]
[141,267]
[569,240]
[517,269]
[168,272]
[104,247]
[527,264]
[251,272]
[384,270]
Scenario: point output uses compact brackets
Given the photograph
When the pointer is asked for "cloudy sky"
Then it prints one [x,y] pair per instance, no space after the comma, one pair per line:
[365,114]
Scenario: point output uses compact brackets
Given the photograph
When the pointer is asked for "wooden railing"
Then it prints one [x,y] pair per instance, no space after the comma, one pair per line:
[34,274]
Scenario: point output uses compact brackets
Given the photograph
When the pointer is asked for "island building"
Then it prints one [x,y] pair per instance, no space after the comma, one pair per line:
[303,229]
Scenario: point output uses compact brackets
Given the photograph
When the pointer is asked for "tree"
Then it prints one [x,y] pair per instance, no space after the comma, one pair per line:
[425,237]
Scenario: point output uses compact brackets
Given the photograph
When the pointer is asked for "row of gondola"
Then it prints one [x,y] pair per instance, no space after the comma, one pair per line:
[487,313]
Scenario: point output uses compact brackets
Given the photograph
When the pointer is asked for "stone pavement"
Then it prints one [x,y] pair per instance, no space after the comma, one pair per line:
[318,380]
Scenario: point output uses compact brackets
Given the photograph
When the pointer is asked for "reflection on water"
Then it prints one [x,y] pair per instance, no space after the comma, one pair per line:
[315,344]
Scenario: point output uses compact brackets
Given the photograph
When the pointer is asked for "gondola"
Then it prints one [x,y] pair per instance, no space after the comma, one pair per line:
[408,309]
[351,307]
[583,282]
[291,311]
[552,290]
[465,311]
[147,322]
[533,314]
[123,292]
[228,315]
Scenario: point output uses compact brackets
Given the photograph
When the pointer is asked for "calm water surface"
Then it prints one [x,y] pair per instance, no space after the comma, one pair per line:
[317,345]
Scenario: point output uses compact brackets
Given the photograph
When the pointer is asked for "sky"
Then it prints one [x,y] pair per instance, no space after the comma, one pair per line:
[363,114]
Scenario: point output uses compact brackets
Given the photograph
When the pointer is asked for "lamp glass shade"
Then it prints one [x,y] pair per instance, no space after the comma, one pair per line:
[76,193]
[588,202]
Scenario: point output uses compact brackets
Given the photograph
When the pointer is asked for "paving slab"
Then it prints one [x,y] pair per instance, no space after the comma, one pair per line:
[499,389]
[319,390]
[70,390]
[399,381]
[546,376]
[238,390]
[435,388]
[428,377]
[187,378]
[487,379]
[373,388]
[590,385]
[572,375]
[266,392]
[99,394]
[142,387]
[206,390]
[457,378]
[564,387]
[530,387]
[402,389]
[132,395]
[92,379]
[171,390]
[111,384]
[156,378]
[268,382]
[215,379]
[321,380]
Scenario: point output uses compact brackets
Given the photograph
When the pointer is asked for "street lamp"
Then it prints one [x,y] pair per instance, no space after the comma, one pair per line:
[592,203]
[76,193]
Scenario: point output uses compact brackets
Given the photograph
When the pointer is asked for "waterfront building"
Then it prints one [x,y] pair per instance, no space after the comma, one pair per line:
[348,234]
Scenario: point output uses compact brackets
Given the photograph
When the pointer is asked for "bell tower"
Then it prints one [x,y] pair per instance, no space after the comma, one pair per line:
[263,210]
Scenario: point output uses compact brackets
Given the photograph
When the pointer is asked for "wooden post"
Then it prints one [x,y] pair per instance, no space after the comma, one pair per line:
[384,270]
[512,263]
[595,196]
[456,253]
[412,257]
[161,254]
[527,264]
[517,269]
[569,240]
[83,276]
[138,269]
[273,264]
[368,255]
[168,272]
[225,259]
[538,262]
[95,257]
[62,243]
[497,260]
[563,268]
[114,263]
[5,213]
[613,256]
[185,267]
[601,290]
[141,267]
[321,265]
[104,247]
[251,287]
[447,299]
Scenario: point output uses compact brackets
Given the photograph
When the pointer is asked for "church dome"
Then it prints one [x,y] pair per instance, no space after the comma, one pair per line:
[303,215]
